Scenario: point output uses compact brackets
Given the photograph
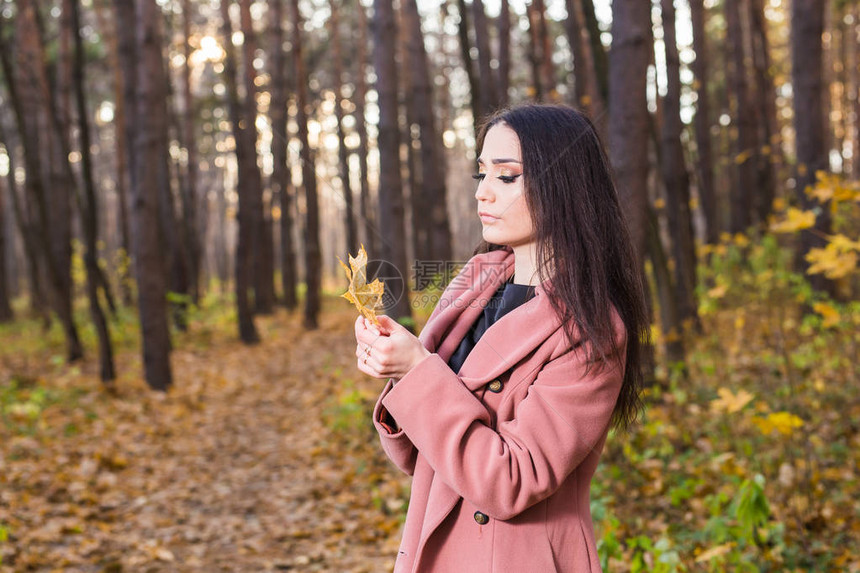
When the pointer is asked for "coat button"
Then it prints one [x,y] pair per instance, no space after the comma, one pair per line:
[481,518]
[495,386]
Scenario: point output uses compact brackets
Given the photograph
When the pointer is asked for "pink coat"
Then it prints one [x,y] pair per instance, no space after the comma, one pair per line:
[501,472]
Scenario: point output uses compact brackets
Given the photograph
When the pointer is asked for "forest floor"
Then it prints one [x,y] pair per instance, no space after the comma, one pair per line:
[263,458]
[258,459]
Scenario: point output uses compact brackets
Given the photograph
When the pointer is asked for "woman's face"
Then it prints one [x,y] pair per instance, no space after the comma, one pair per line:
[501,201]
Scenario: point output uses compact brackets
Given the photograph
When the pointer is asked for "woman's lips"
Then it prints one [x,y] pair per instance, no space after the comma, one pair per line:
[487,218]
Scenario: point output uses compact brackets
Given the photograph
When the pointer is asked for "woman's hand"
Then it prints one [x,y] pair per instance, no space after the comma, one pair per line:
[389,351]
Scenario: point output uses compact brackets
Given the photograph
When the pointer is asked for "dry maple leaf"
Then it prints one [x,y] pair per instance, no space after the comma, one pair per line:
[367,298]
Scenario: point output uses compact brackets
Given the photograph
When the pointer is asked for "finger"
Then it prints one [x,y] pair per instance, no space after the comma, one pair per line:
[366,337]
[370,367]
[386,323]
[359,326]
[373,327]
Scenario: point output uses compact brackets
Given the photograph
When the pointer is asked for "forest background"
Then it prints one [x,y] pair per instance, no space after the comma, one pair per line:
[178,178]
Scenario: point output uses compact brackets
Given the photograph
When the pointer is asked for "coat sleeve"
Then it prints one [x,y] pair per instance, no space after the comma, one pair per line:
[523,461]
[395,443]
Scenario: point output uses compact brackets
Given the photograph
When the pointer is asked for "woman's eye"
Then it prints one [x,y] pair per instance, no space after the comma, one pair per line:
[479,176]
[508,178]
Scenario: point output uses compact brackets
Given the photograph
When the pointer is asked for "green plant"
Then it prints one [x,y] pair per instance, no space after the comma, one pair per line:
[4,536]
[751,509]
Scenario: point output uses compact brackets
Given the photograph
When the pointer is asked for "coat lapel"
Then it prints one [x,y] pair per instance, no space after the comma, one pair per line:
[459,306]
[507,341]
[510,339]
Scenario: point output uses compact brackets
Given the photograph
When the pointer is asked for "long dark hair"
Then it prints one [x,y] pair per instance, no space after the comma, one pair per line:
[582,238]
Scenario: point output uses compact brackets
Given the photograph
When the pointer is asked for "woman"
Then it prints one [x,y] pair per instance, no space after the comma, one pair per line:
[500,409]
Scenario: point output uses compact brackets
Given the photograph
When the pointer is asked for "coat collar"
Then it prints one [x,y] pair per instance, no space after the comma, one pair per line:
[508,340]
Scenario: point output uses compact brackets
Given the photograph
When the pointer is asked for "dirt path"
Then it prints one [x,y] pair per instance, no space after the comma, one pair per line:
[261,459]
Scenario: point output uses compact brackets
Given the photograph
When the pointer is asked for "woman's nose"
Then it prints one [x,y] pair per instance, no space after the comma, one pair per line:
[483,192]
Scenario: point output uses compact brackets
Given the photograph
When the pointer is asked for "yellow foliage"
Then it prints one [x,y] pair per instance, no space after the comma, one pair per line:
[831,315]
[741,240]
[715,552]
[660,203]
[367,298]
[782,422]
[832,260]
[729,402]
[764,277]
[741,157]
[830,187]
[796,220]
[718,291]
[843,243]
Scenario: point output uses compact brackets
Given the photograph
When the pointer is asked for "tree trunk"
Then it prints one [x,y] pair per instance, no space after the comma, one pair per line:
[504,71]
[6,314]
[598,52]
[260,244]
[222,257]
[534,53]
[827,78]
[841,38]
[744,150]
[489,90]
[368,211]
[123,178]
[676,177]
[702,123]
[807,23]
[390,182]
[87,203]
[191,202]
[33,94]
[854,82]
[150,125]
[243,262]
[670,318]
[342,152]
[26,226]
[280,180]
[171,227]
[312,256]
[587,89]
[475,88]
[432,148]
[768,154]
[545,43]
[416,202]
[628,121]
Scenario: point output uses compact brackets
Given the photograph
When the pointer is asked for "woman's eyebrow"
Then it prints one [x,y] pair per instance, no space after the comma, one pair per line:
[501,160]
